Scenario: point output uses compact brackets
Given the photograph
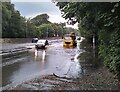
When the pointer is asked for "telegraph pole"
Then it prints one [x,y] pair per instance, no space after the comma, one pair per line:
[26,30]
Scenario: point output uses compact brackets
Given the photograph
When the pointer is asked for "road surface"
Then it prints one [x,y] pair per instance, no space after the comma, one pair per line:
[62,62]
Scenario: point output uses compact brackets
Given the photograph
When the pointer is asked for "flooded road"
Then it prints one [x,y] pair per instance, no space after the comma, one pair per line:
[63,62]
[55,59]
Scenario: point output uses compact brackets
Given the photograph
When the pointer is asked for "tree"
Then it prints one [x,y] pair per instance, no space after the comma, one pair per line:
[40,19]
[12,22]
[45,30]
[101,20]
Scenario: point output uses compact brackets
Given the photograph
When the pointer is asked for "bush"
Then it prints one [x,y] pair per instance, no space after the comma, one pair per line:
[109,50]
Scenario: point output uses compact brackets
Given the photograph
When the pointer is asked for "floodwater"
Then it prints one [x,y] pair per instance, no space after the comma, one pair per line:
[64,62]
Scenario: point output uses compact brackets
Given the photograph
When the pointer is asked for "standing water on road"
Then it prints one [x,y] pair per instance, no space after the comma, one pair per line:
[68,63]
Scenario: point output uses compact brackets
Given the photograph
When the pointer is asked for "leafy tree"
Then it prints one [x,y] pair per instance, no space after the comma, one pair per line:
[6,15]
[45,30]
[31,29]
[15,28]
[58,28]
[40,19]
[101,20]
[55,27]
[14,25]
[12,22]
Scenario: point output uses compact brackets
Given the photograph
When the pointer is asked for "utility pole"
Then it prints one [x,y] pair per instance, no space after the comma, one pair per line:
[47,32]
[26,30]
[27,22]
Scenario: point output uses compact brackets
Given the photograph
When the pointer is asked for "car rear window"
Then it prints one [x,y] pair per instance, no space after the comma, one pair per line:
[67,38]
[41,41]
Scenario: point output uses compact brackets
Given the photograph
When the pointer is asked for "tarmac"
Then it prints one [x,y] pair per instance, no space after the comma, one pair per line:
[10,49]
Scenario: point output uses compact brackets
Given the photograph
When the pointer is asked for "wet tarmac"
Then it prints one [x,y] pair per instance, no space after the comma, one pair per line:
[55,59]
[63,62]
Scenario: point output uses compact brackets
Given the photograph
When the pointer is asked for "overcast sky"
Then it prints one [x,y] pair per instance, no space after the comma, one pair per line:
[31,9]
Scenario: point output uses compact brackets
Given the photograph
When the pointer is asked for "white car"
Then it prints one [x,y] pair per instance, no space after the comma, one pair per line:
[41,44]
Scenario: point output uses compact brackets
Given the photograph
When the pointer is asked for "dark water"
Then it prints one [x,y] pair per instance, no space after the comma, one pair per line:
[89,58]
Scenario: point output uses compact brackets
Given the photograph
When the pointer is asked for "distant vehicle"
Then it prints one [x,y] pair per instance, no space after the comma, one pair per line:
[78,38]
[41,44]
[34,40]
[69,40]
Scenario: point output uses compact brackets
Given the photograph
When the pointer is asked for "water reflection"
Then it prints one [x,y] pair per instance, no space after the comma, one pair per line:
[42,56]
[88,58]
[36,54]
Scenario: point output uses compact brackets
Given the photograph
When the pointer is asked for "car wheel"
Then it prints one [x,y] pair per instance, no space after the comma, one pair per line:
[36,47]
[43,47]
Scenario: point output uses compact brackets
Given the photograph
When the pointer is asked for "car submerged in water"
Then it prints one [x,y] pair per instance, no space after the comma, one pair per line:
[41,44]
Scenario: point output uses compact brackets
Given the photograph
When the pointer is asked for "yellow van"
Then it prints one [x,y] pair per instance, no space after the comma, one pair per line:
[67,41]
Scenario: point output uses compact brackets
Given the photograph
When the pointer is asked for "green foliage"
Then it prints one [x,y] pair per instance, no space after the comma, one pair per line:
[31,30]
[46,30]
[110,51]
[101,20]
[40,19]
[58,29]
[12,22]
[14,25]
